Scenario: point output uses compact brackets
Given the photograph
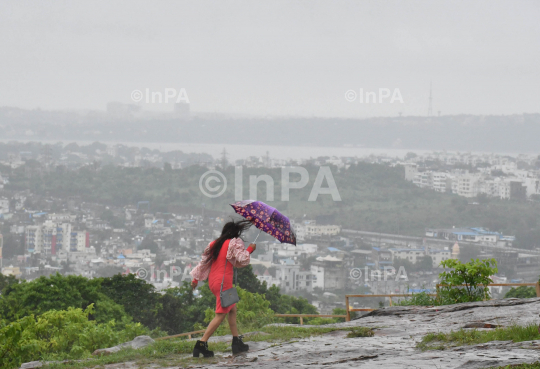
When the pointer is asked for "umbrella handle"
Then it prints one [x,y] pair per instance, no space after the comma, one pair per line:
[257,236]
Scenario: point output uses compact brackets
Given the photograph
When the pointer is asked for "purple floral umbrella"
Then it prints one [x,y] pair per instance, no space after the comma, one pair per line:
[267,219]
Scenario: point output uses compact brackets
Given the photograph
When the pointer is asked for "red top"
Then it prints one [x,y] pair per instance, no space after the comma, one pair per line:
[218,269]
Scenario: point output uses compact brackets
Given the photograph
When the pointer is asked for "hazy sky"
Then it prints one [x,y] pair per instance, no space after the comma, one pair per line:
[274,57]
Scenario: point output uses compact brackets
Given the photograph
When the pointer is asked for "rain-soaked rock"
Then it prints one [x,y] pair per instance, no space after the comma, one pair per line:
[402,310]
[137,343]
[32,364]
[397,332]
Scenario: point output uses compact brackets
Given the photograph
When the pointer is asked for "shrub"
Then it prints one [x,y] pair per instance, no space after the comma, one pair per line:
[419,299]
[466,282]
[60,334]
[521,292]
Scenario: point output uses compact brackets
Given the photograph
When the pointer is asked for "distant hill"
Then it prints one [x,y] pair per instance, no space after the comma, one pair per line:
[509,133]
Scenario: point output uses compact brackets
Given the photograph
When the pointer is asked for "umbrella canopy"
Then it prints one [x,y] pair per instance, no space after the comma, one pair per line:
[267,219]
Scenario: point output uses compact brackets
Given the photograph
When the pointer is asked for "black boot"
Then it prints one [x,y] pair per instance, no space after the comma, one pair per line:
[238,346]
[202,348]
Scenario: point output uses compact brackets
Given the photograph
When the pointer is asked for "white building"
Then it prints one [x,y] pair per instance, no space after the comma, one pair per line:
[439,255]
[438,180]
[410,171]
[291,251]
[317,272]
[413,255]
[423,180]
[291,278]
[310,229]
[466,185]
[4,205]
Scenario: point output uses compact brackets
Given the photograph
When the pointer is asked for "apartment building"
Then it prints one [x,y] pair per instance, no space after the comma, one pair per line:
[79,241]
[329,273]
[466,185]
[290,278]
[310,229]
[413,255]
[4,205]
[50,237]
[292,251]
[439,181]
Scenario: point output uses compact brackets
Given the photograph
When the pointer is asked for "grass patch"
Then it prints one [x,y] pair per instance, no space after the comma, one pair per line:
[521,366]
[177,352]
[360,332]
[462,337]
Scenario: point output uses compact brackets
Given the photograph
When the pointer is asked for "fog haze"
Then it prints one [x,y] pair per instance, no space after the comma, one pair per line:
[275,58]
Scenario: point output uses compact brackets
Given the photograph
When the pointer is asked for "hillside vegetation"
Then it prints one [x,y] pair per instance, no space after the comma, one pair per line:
[61,317]
[374,197]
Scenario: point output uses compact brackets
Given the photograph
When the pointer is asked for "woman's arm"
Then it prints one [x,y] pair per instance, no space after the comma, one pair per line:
[236,253]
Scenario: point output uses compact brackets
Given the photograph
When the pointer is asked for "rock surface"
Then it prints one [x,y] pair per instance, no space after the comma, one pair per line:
[137,343]
[397,331]
[32,364]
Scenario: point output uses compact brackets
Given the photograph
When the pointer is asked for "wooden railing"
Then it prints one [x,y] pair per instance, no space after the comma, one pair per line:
[188,334]
[349,310]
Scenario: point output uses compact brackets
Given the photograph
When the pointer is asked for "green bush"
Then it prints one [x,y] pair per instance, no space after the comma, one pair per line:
[521,292]
[60,334]
[466,282]
[58,292]
[419,299]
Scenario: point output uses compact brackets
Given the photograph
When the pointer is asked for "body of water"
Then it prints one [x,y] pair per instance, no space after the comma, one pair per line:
[235,152]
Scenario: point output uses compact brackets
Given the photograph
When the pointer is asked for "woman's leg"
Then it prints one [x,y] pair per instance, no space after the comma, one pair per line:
[232,322]
[214,324]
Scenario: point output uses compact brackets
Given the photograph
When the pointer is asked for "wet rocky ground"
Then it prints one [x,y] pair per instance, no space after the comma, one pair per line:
[397,331]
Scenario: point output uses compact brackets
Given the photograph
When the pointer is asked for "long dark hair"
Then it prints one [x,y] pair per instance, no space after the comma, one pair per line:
[232,229]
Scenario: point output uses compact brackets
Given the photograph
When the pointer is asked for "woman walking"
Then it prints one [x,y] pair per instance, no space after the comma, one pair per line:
[218,260]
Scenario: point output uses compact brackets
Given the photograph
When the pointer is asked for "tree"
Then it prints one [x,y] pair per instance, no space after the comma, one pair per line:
[466,282]
[424,263]
[57,292]
[249,281]
[138,297]
[410,155]
[521,292]
[6,281]
[180,310]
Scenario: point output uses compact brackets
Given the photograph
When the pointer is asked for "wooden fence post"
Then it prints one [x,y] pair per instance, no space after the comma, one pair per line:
[301,320]
[390,300]
[538,289]
[348,318]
